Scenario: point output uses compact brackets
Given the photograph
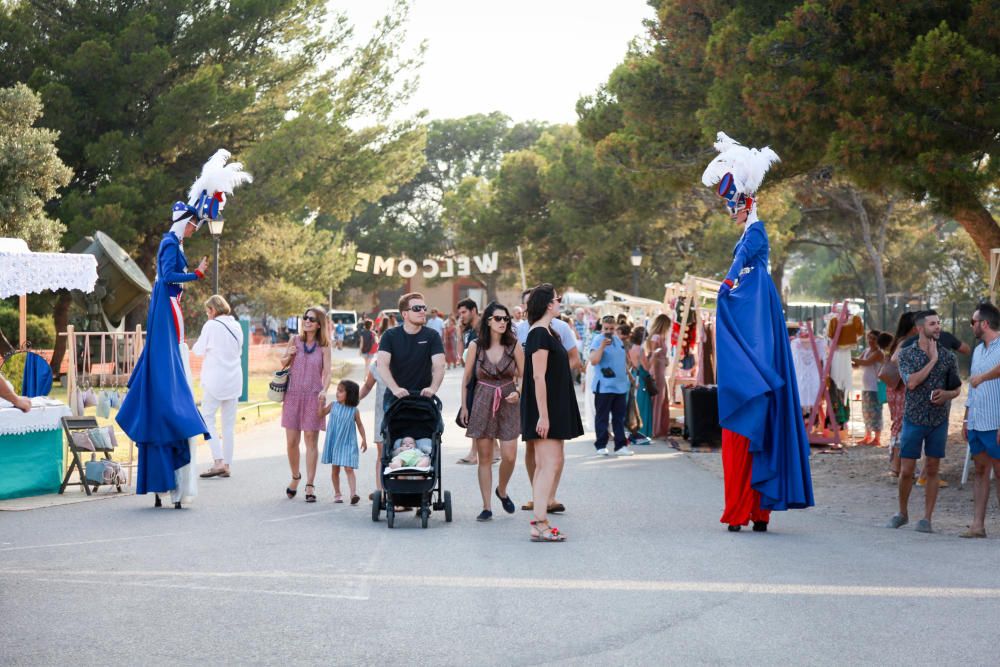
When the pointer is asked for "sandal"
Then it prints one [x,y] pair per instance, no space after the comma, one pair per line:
[546,534]
[467,462]
[337,498]
[290,492]
[355,499]
[310,497]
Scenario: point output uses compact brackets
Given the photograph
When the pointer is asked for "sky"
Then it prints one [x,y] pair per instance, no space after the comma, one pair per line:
[530,59]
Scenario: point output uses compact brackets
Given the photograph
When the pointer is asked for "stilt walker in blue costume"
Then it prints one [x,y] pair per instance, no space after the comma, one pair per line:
[159,412]
[765,450]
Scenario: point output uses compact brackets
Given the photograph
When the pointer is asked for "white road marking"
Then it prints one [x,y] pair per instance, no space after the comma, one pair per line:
[298,516]
[611,585]
[77,544]
[221,589]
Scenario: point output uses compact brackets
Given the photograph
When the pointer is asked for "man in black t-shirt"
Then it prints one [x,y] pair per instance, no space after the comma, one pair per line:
[411,356]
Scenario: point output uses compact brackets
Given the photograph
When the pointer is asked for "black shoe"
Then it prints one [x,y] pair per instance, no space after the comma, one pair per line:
[508,504]
[485,515]
[289,491]
[157,502]
[310,497]
[177,506]
[760,526]
[734,529]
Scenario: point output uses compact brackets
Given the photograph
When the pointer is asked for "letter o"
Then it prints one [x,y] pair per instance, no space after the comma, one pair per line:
[407,268]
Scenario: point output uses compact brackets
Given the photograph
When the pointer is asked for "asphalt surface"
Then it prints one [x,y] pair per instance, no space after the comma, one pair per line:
[647,576]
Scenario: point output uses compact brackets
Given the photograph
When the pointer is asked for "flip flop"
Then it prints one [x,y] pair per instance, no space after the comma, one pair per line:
[211,473]
[467,462]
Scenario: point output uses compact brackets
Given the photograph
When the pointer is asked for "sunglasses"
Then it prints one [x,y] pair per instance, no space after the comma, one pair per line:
[310,318]
[417,309]
[501,318]
[974,321]
[557,299]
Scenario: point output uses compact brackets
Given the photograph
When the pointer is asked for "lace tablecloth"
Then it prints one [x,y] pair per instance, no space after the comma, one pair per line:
[23,272]
[44,416]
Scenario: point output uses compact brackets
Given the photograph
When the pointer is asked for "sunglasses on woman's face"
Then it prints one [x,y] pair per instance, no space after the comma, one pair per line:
[309,318]
[501,318]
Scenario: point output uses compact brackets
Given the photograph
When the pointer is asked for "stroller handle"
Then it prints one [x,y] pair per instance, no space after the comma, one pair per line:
[416,394]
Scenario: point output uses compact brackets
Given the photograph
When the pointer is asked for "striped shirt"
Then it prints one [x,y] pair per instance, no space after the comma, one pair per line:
[983,401]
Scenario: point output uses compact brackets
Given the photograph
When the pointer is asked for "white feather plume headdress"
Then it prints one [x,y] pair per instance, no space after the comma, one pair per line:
[747,165]
[207,196]
[217,176]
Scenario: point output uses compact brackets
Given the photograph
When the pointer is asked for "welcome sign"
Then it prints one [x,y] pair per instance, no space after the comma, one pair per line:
[405,267]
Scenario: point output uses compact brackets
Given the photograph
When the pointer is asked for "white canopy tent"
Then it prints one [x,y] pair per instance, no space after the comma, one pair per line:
[23,272]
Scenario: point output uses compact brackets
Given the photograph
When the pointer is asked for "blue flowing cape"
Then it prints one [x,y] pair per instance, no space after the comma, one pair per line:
[159,412]
[758,393]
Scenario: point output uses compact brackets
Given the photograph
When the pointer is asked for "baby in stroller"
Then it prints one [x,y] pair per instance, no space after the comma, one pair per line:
[409,454]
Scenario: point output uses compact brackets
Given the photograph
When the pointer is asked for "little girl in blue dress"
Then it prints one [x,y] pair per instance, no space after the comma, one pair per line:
[341,448]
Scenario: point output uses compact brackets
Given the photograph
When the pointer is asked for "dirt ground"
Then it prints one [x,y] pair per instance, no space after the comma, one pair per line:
[855,485]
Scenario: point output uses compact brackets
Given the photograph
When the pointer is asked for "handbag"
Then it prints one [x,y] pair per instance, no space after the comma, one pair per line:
[650,384]
[278,385]
[104,405]
[889,373]
[104,472]
[103,438]
[470,393]
[81,441]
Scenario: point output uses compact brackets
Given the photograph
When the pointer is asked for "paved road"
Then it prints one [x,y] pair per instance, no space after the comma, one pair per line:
[648,576]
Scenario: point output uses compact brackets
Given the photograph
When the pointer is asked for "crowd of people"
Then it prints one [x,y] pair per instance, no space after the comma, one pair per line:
[521,367]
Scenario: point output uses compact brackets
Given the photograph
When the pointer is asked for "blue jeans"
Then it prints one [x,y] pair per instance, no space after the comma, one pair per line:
[612,405]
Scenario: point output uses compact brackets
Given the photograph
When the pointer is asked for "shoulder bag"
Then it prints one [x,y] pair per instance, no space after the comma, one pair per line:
[888,372]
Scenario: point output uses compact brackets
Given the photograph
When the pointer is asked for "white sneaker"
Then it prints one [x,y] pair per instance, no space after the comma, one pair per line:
[603,451]
[625,451]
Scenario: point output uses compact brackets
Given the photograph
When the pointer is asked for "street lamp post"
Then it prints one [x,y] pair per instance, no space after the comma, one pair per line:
[636,260]
[215,229]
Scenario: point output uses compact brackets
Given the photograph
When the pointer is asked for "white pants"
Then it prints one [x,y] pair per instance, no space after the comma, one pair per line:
[222,448]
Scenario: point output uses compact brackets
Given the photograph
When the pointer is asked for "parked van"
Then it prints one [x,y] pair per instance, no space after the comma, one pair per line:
[349,318]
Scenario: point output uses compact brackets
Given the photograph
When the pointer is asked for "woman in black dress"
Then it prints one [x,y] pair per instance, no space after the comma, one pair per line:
[549,413]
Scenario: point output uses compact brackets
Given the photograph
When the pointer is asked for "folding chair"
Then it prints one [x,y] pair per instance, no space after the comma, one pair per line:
[69,425]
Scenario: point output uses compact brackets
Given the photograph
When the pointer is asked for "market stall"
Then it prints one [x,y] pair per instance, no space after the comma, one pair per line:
[31,448]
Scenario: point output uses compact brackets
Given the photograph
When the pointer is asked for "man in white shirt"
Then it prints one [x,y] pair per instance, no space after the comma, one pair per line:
[568,340]
[981,426]
[436,323]
[221,343]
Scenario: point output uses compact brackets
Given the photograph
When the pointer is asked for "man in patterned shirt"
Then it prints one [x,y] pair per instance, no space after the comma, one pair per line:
[981,427]
[927,368]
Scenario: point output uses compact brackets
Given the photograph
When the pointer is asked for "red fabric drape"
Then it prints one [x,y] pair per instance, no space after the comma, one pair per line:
[742,502]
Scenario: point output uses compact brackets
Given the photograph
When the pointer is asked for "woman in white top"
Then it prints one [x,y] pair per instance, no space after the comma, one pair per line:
[871,408]
[221,343]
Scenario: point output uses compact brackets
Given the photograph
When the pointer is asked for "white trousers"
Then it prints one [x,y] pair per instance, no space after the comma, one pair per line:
[222,448]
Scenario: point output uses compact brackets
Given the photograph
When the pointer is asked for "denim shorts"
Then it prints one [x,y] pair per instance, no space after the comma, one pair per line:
[930,439]
[984,441]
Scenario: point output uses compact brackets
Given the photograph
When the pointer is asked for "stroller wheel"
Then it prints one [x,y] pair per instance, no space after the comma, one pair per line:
[376,504]
[447,506]
[425,514]
[390,514]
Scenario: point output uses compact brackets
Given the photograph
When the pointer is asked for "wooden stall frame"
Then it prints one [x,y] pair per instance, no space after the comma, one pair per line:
[697,293]
[132,344]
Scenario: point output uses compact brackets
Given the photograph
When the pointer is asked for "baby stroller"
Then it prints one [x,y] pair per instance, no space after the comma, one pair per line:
[417,417]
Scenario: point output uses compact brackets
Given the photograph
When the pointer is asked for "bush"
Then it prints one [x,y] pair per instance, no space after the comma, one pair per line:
[41,330]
